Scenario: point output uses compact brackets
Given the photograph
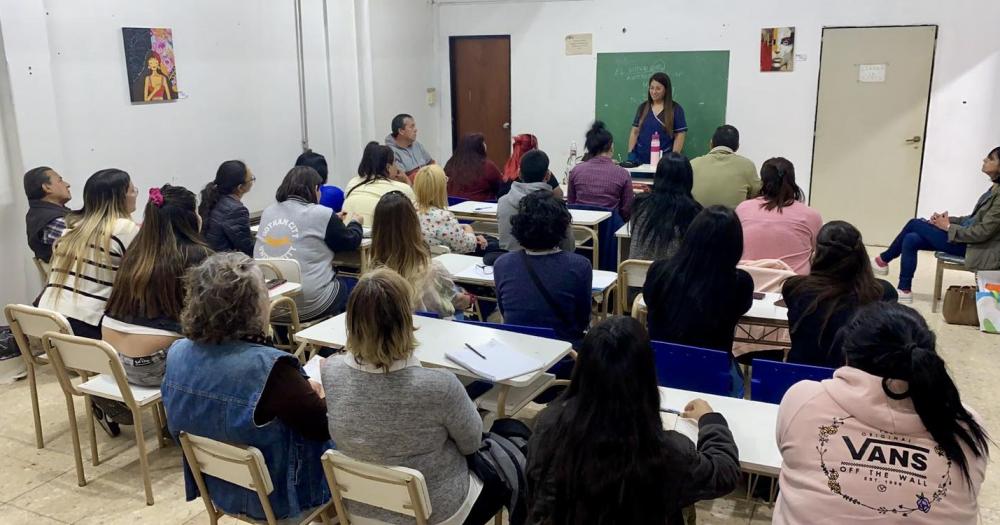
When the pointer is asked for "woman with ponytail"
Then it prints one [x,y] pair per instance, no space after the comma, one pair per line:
[821,303]
[886,439]
[143,315]
[598,181]
[225,220]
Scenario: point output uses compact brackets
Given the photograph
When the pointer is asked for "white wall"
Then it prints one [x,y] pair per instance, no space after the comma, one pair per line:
[553,95]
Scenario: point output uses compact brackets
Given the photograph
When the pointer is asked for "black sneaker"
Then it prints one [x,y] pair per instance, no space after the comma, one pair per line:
[109,426]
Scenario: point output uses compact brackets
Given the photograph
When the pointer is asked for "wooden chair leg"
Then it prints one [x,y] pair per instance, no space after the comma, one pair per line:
[938,278]
[91,430]
[140,441]
[77,454]
[33,388]
[160,426]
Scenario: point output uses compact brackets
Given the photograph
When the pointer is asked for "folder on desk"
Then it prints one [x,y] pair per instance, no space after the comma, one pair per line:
[498,361]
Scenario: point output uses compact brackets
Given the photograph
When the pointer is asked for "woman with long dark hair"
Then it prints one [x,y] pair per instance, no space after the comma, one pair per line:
[598,181]
[975,236]
[661,217]
[777,224]
[378,174]
[471,175]
[600,455]
[820,303]
[659,115]
[887,439]
[225,221]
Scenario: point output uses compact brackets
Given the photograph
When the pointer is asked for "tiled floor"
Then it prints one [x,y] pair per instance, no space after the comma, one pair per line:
[40,486]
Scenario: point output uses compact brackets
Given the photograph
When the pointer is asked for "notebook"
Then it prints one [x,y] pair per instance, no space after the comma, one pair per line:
[312,368]
[687,427]
[499,361]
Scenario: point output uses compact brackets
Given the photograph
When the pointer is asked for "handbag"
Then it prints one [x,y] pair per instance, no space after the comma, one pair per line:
[960,306]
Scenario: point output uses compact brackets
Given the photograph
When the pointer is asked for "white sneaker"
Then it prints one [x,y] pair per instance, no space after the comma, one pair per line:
[879,270]
[904,297]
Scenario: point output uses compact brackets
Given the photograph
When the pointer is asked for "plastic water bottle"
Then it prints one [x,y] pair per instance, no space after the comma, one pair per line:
[654,150]
[570,163]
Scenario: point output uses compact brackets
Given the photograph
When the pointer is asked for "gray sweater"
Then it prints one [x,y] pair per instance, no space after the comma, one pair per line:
[412,417]
[507,208]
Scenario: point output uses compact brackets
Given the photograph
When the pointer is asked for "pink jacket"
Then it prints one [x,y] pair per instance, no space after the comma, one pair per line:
[789,235]
[850,454]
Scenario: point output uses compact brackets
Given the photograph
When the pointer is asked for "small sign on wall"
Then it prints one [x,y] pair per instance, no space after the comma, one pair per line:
[580,44]
[869,73]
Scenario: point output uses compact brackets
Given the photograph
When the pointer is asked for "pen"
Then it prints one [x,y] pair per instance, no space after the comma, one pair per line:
[484,208]
[667,410]
[467,345]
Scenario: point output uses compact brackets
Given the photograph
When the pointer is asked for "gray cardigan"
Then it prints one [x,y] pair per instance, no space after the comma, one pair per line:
[412,417]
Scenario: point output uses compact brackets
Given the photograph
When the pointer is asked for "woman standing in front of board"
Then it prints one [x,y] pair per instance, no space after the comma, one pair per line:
[658,115]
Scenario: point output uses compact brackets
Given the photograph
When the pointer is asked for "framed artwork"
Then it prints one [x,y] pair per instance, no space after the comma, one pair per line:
[777,49]
[150,64]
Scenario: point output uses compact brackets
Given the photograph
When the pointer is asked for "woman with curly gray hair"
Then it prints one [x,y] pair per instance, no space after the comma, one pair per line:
[223,382]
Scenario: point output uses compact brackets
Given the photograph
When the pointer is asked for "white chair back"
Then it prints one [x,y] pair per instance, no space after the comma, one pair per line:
[30,321]
[631,273]
[289,269]
[81,353]
[397,489]
[241,466]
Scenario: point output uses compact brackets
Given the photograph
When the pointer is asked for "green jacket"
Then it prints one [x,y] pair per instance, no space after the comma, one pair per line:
[983,235]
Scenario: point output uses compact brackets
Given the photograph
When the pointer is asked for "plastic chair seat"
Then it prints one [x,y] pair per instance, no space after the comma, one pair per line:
[949,258]
[105,386]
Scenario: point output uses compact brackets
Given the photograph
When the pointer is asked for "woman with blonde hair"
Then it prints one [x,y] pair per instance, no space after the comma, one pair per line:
[383,407]
[398,244]
[438,225]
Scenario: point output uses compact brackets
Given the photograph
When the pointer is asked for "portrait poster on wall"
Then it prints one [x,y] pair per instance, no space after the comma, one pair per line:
[149,63]
[777,48]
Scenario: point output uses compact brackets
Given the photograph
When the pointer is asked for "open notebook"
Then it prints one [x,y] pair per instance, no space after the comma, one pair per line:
[312,367]
[495,360]
[687,427]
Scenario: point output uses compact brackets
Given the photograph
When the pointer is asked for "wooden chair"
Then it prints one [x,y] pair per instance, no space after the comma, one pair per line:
[945,261]
[90,356]
[241,466]
[397,489]
[631,273]
[43,270]
[27,321]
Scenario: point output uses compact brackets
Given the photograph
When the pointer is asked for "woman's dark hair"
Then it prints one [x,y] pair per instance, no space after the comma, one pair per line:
[667,211]
[841,275]
[700,275]
[599,140]
[465,166]
[300,182]
[893,341]
[541,221]
[231,175]
[778,188]
[311,159]
[608,465]
[149,282]
[375,162]
[34,180]
[996,154]
[668,102]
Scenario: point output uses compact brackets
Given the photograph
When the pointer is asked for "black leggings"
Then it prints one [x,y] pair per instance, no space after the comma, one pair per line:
[491,500]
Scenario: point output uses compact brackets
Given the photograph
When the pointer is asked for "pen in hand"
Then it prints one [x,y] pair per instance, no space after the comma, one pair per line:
[670,411]
[467,345]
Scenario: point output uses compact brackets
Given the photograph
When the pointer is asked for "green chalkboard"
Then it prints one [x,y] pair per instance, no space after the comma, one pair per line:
[700,80]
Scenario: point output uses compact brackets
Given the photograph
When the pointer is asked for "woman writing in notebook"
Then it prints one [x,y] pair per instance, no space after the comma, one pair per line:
[659,118]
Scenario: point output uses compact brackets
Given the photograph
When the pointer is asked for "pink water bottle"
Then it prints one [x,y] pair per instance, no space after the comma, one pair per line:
[654,150]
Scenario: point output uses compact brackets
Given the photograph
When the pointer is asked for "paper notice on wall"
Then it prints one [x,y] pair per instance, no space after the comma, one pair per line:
[580,44]
[871,73]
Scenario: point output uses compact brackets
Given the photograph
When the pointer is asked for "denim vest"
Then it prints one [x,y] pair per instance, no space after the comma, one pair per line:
[212,391]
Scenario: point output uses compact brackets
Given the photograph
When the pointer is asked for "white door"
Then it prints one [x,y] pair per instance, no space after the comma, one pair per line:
[870,119]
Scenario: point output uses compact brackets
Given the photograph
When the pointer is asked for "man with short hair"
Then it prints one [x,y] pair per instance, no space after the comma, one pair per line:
[47,194]
[722,176]
[410,154]
[535,176]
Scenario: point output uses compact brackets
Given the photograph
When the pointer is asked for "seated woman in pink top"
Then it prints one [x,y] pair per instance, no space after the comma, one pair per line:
[887,440]
[777,225]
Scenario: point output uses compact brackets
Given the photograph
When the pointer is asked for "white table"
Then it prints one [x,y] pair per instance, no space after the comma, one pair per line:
[752,423]
[643,169]
[585,219]
[435,337]
[284,290]
[624,237]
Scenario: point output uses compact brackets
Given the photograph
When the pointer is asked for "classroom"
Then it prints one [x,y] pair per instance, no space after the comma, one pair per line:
[542,262]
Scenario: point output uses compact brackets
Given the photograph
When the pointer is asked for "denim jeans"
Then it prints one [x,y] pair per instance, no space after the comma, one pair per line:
[918,234]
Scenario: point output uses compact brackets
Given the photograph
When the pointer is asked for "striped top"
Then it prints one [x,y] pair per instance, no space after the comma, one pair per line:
[84,297]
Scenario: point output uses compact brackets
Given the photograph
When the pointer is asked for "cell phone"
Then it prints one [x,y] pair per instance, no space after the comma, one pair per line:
[274,283]
[757,296]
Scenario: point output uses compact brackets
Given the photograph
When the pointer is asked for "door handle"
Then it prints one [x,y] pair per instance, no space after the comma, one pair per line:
[506,125]
[914,140]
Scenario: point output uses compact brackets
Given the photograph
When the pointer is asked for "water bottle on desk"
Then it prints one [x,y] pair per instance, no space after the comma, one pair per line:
[654,150]
[570,163]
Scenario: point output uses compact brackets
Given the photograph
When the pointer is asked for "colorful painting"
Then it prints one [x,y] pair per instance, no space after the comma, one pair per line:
[150,65]
[777,49]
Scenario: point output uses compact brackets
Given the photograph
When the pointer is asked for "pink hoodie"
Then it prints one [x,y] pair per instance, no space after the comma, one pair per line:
[851,454]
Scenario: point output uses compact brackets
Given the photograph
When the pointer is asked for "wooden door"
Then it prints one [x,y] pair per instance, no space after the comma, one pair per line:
[870,119]
[480,92]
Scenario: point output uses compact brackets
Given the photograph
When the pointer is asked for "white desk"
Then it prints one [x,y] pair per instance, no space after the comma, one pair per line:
[753,425]
[765,311]
[624,237]
[435,337]
[284,290]
[643,169]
